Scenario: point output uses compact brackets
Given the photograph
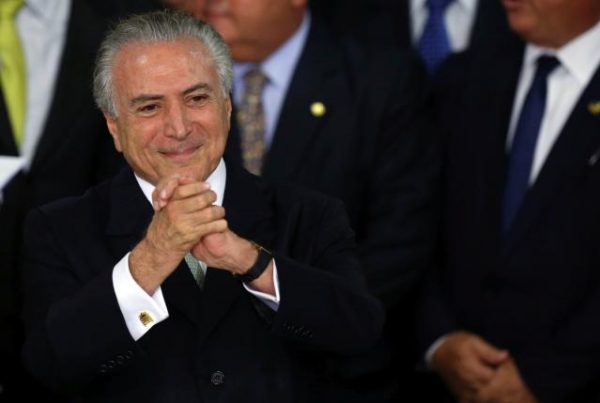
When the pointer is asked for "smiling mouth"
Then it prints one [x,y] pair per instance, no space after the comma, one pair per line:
[183,153]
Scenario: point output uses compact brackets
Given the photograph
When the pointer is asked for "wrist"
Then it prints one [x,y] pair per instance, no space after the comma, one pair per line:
[260,262]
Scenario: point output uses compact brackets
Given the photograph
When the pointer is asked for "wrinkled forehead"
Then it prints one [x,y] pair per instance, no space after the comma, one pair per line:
[174,51]
[166,64]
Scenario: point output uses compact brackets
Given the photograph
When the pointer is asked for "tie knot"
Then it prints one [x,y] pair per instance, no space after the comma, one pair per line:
[9,8]
[438,5]
[254,80]
[545,65]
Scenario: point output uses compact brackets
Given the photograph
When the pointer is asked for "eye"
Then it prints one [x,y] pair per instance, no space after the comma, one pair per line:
[148,108]
[198,98]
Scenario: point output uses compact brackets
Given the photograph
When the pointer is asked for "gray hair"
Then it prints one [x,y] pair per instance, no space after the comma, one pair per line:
[157,26]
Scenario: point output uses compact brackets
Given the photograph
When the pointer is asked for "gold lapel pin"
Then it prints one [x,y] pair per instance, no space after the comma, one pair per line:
[594,107]
[318,109]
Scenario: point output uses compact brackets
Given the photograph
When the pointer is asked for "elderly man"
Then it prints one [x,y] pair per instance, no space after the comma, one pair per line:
[515,307]
[230,289]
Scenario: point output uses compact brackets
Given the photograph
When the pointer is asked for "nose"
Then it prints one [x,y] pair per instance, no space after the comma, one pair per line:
[177,124]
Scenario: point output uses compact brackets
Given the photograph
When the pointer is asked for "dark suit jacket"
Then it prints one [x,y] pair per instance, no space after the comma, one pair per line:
[372,150]
[74,152]
[216,344]
[537,291]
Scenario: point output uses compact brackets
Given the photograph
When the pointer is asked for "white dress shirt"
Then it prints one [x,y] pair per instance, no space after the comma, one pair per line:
[279,68]
[134,301]
[42,27]
[459,17]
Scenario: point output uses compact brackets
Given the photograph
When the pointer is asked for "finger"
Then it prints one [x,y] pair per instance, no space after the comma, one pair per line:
[213,227]
[190,189]
[194,204]
[163,192]
[208,215]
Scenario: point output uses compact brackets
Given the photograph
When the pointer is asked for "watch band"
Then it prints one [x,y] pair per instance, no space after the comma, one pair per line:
[262,261]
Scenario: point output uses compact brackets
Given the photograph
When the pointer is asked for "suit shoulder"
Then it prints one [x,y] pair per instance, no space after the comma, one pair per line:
[75,208]
[287,194]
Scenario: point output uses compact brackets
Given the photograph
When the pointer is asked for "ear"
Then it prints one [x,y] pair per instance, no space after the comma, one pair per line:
[113,128]
[228,109]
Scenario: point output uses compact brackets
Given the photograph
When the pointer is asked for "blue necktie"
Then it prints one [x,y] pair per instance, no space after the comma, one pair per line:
[524,141]
[434,45]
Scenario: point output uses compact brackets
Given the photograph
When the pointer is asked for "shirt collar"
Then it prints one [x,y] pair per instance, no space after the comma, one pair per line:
[580,57]
[48,10]
[216,180]
[276,67]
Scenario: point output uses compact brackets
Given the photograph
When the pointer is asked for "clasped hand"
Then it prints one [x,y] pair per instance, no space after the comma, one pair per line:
[478,372]
[186,220]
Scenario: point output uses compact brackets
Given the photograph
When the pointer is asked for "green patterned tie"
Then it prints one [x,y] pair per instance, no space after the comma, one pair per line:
[12,67]
[195,268]
[251,120]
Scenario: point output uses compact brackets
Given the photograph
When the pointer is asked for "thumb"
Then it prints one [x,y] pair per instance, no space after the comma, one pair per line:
[491,355]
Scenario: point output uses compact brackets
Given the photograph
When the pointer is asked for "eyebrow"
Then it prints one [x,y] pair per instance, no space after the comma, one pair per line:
[199,86]
[155,97]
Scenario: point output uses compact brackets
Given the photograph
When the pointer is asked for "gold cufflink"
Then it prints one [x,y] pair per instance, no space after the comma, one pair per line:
[317,109]
[594,107]
[145,318]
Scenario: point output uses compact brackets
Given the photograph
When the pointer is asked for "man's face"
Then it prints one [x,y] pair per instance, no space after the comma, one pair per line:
[254,28]
[172,115]
[551,23]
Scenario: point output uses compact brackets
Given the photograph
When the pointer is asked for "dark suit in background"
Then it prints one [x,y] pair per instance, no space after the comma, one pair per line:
[371,149]
[537,292]
[216,344]
[74,151]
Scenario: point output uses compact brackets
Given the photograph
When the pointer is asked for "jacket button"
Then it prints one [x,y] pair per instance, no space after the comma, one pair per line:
[120,359]
[217,378]
[103,369]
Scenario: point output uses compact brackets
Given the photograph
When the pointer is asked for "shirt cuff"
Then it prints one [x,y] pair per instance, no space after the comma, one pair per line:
[432,349]
[140,310]
[269,300]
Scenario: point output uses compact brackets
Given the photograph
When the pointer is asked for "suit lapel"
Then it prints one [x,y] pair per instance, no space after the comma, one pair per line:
[7,139]
[249,216]
[129,213]
[578,141]
[73,85]
[498,86]
[297,127]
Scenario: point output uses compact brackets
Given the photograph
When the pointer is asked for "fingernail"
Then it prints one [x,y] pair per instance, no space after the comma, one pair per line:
[163,194]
